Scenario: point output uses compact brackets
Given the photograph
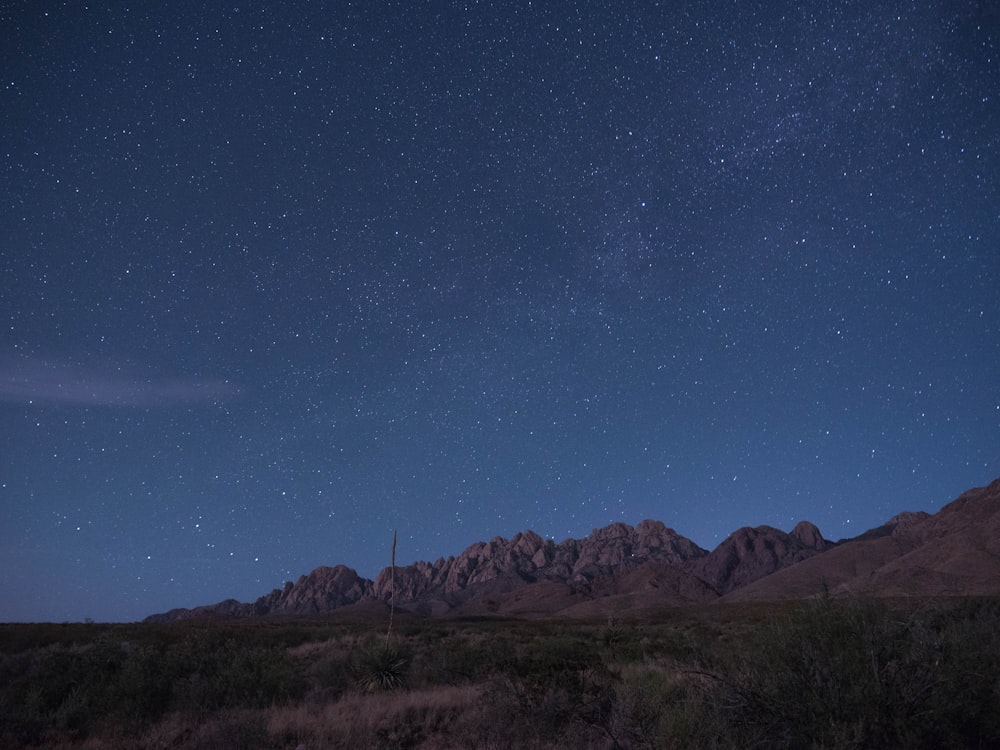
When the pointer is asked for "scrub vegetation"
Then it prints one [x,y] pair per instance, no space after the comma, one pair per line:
[819,674]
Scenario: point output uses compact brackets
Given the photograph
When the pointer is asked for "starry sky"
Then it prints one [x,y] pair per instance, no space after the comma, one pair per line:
[279,278]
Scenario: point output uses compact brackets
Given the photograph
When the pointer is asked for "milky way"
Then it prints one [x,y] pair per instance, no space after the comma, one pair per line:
[277,280]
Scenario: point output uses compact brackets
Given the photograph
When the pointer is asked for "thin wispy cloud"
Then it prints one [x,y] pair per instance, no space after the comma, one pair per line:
[38,381]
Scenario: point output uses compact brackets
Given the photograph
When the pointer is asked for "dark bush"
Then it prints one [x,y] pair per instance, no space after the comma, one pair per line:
[827,674]
[856,673]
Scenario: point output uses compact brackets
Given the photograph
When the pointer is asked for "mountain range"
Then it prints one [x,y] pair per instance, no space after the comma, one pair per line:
[624,569]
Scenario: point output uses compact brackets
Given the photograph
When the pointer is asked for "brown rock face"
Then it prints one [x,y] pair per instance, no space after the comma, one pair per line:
[485,569]
[621,547]
[809,536]
[619,568]
[955,552]
[321,590]
[752,553]
[527,558]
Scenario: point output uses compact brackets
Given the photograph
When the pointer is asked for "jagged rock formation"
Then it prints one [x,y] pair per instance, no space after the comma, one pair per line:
[528,558]
[955,552]
[500,565]
[485,571]
[752,553]
[322,590]
[619,568]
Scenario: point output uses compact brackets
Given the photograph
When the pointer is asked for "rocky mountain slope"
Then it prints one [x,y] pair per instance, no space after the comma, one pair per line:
[955,552]
[622,568]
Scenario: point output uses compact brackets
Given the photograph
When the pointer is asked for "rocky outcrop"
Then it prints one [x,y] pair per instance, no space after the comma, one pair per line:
[619,547]
[623,568]
[485,569]
[749,554]
[897,525]
[527,558]
[808,536]
[955,552]
[322,590]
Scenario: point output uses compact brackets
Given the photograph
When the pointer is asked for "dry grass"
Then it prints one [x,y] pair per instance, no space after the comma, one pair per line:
[435,718]
[425,717]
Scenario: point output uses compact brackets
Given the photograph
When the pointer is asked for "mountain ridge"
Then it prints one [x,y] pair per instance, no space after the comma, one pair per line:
[624,568]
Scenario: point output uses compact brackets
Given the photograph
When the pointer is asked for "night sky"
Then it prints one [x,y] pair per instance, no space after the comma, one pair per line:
[279,278]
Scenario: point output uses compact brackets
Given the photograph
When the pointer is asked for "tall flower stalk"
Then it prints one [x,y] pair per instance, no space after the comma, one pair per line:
[392,589]
[380,668]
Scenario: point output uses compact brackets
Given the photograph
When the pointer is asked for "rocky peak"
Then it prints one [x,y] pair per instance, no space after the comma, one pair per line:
[620,545]
[754,552]
[809,536]
[617,530]
[527,557]
[527,542]
[323,589]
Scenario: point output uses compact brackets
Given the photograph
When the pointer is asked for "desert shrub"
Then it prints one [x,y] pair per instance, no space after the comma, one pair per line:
[235,674]
[140,690]
[642,644]
[75,690]
[500,653]
[327,671]
[965,710]
[251,676]
[830,674]
[557,660]
[663,706]
[451,661]
[508,715]
[23,709]
[553,684]
[842,674]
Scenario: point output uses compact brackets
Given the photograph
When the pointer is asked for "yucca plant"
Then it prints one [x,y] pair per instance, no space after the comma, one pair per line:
[382,667]
[612,632]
